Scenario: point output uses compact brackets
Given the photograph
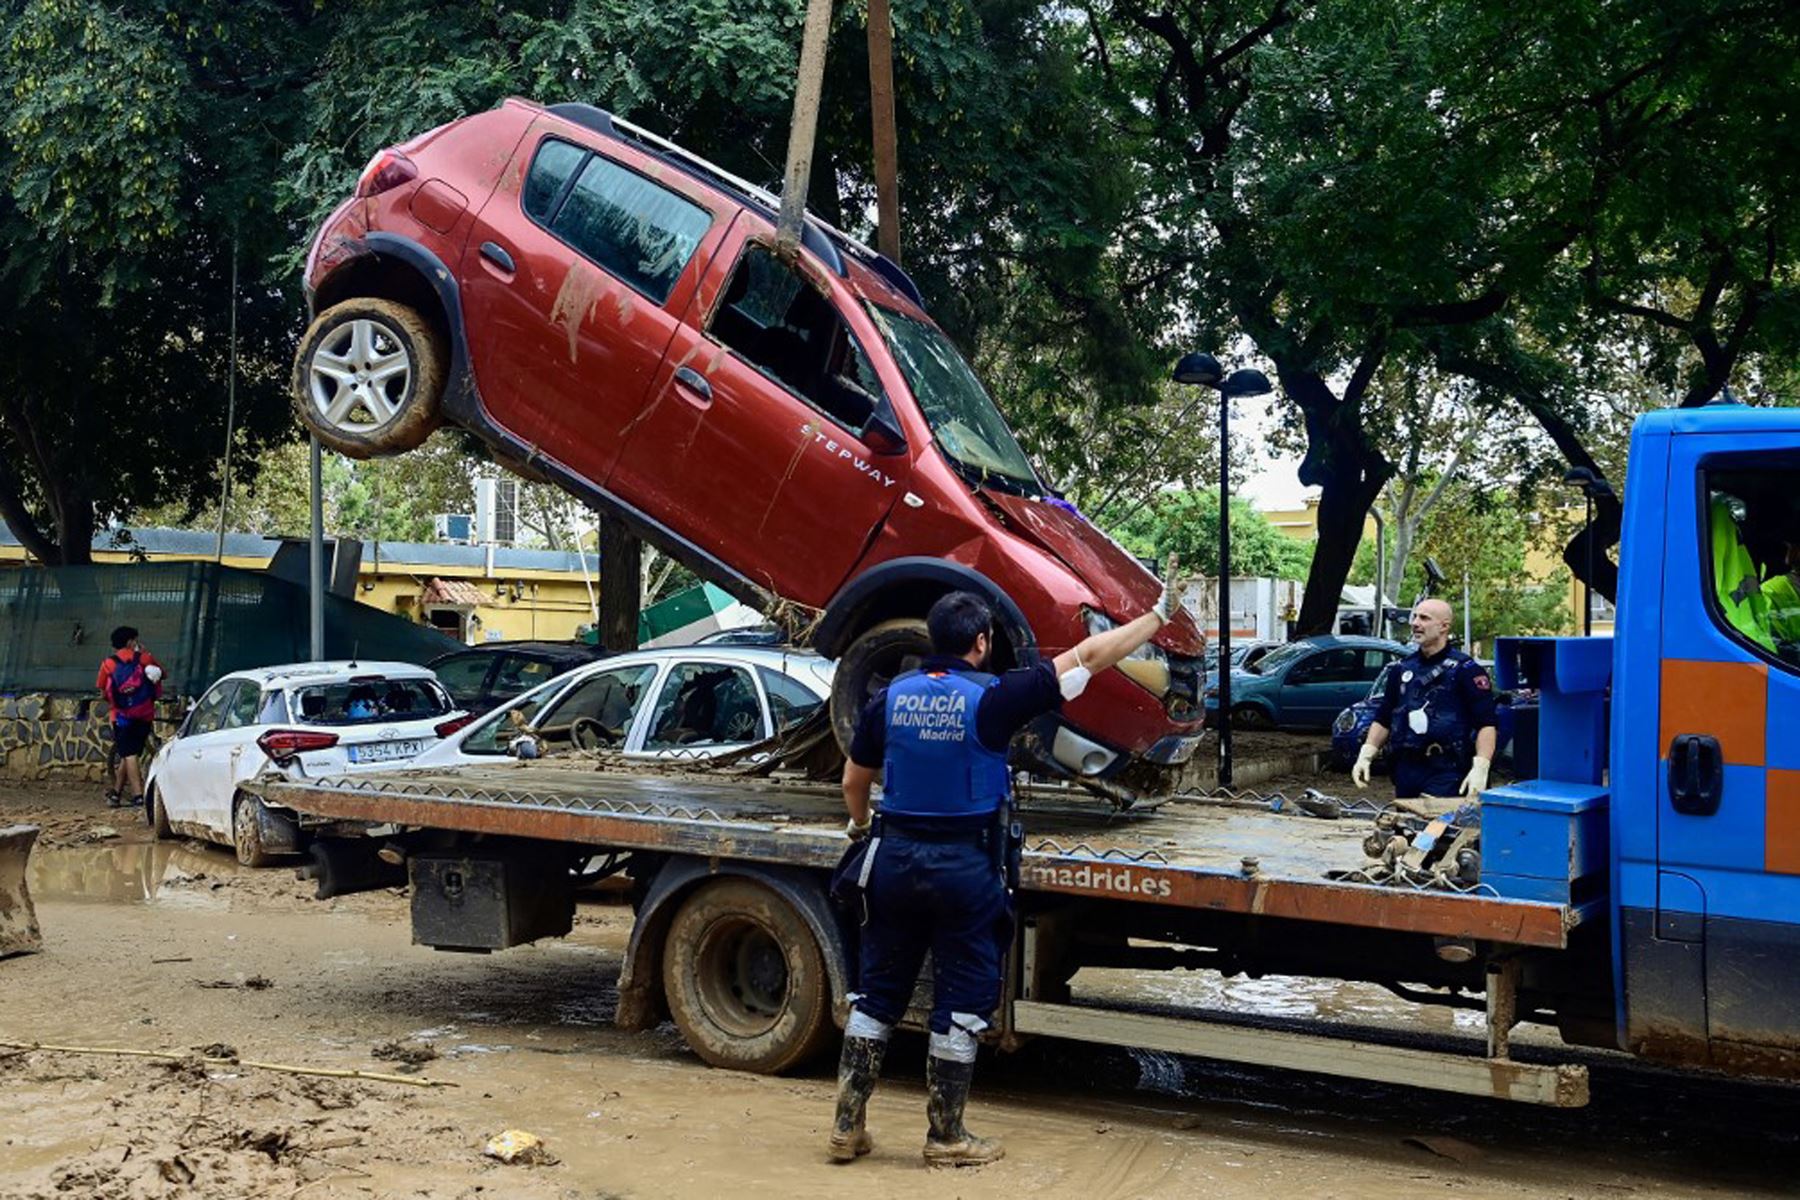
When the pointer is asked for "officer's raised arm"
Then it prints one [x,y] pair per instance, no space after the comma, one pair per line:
[1081,662]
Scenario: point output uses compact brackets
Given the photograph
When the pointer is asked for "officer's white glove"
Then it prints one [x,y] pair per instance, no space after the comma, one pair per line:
[1365,759]
[153,673]
[854,831]
[1476,781]
[1166,602]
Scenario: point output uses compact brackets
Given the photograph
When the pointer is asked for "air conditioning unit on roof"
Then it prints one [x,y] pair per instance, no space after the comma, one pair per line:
[497,510]
[454,527]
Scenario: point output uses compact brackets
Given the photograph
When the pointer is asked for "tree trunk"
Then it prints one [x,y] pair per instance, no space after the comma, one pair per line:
[621,573]
[1349,473]
[1343,508]
[1609,513]
[1394,575]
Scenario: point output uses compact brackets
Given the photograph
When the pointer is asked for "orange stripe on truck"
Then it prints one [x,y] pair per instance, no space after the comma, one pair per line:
[1730,701]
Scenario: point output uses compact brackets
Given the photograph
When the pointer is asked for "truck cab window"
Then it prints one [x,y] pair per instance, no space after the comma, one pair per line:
[1751,540]
[782,326]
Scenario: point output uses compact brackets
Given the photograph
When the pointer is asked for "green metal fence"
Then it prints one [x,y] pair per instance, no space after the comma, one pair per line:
[199,619]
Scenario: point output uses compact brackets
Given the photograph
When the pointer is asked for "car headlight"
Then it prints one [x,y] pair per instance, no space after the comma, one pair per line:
[1346,721]
[1147,666]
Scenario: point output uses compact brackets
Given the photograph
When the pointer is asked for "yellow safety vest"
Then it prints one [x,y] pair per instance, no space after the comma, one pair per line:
[1735,578]
[1784,608]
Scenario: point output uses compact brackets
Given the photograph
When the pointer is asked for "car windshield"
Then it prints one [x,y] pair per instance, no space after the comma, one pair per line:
[495,732]
[968,428]
[1380,685]
[369,698]
[1274,660]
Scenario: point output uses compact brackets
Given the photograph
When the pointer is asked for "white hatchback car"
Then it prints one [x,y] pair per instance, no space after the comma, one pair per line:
[679,702]
[306,719]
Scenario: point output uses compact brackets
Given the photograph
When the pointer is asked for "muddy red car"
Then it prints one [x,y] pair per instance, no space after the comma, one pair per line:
[608,312]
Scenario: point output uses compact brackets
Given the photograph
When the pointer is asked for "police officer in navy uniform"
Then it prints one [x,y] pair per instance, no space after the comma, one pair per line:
[1439,711]
[934,871]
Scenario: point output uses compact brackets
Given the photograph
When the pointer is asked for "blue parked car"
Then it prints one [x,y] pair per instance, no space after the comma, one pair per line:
[1304,684]
[1351,728]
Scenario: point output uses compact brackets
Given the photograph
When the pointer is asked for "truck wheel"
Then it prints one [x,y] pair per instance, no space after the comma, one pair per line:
[877,655]
[369,378]
[246,832]
[1251,716]
[745,979]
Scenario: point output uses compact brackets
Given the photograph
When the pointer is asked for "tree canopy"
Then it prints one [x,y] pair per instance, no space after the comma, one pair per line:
[1561,214]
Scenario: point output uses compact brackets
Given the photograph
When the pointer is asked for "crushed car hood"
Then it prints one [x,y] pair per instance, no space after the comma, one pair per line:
[1120,583]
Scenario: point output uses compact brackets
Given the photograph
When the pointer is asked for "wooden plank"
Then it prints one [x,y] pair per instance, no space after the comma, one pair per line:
[1561,1086]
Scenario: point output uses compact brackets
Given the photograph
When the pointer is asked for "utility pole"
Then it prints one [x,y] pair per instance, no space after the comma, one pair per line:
[881,107]
[315,574]
[230,406]
[807,89]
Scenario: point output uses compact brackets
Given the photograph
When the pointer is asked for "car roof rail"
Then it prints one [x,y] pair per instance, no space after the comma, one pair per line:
[822,238]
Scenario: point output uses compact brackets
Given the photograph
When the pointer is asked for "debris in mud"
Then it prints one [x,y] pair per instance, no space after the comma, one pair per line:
[329,1095]
[217,1050]
[518,1148]
[94,833]
[189,1068]
[410,1055]
[256,983]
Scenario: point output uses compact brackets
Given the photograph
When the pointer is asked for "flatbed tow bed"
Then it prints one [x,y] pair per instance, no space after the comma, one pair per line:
[1213,883]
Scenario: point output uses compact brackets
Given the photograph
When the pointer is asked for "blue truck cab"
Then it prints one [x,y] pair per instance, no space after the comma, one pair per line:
[1669,778]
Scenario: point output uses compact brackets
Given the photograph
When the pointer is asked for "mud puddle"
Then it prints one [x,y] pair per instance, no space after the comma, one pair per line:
[131,873]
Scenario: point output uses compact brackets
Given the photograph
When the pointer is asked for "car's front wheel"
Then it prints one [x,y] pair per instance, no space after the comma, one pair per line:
[369,378]
[873,659]
[1251,716]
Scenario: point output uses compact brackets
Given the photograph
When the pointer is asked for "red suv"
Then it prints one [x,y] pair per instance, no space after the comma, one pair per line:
[607,311]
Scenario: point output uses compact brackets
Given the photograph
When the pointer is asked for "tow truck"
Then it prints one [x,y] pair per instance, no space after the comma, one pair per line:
[1639,895]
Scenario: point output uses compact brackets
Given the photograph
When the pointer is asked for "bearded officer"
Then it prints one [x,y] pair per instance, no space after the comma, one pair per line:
[935,876]
[1439,707]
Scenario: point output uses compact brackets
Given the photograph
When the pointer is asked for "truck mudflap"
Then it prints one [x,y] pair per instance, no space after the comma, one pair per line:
[19,932]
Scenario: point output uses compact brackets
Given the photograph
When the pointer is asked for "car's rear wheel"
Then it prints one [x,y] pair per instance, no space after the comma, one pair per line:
[745,979]
[1251,716]
[369,378]
[246,832]
[877,655]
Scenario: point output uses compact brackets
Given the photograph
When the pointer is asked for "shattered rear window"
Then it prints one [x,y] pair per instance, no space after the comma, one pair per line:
[369,698]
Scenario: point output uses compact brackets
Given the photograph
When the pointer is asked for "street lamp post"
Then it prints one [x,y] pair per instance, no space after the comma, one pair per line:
[1203,370]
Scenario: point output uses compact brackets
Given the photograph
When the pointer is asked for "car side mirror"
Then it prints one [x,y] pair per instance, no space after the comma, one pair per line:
[882,435]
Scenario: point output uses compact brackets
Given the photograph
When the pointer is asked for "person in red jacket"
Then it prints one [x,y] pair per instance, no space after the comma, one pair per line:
[131,681]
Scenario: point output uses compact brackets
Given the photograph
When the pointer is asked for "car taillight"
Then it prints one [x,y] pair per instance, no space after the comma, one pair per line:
[280,744]
[446,728]
[386,171]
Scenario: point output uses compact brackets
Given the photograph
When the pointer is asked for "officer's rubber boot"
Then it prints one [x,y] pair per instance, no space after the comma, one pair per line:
[949,1144]
[858,1068]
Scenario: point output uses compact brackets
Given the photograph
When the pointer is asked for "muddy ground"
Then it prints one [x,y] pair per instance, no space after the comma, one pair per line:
[170,947]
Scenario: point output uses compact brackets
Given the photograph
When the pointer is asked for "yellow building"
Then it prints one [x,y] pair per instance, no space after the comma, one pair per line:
[473,593]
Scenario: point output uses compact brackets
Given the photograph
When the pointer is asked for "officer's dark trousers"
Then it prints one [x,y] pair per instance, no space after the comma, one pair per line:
[1439,775]
[943,896]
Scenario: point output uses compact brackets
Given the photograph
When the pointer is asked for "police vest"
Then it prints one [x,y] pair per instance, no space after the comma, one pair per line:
[1431,690]
[936,766]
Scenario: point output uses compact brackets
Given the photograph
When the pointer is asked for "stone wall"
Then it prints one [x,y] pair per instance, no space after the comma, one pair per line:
[49,736]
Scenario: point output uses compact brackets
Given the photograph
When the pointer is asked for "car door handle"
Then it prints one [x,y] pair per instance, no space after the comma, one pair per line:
[1696,774]
[497,255]
[694,382]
